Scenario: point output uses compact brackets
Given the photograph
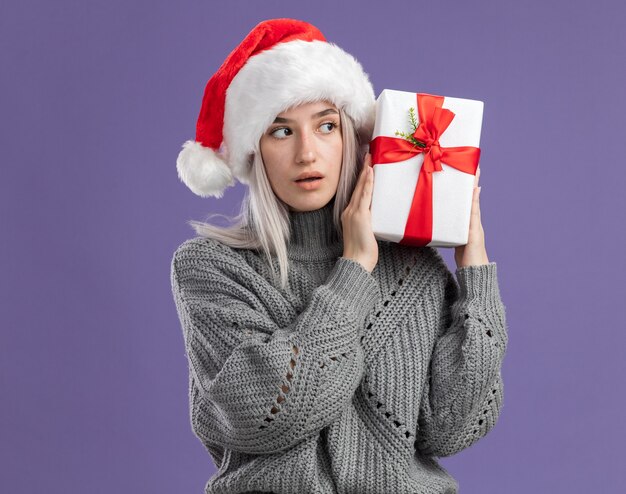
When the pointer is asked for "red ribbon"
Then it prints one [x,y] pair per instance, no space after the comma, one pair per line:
[433,122]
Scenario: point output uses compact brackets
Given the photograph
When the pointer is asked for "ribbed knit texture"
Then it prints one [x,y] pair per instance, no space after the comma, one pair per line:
[347,381]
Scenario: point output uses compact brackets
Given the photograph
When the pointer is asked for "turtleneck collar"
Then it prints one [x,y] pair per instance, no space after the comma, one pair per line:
[313,234]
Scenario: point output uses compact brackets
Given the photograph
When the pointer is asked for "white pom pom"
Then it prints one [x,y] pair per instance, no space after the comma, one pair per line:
[203,170]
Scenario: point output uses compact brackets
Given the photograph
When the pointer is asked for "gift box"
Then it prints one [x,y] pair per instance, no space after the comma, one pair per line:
[425,152]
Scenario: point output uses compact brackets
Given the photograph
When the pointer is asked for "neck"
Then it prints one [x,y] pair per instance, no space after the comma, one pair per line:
[313,234]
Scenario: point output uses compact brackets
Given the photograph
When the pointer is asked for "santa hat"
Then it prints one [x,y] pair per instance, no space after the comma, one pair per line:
[281,63]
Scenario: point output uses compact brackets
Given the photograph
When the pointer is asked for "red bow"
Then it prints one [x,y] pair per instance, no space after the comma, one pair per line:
[433,122]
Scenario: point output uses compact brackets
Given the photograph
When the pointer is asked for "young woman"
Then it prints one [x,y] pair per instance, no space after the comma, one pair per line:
[321,359]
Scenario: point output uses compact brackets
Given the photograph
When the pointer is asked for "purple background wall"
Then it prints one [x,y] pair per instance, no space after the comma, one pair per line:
[98,97]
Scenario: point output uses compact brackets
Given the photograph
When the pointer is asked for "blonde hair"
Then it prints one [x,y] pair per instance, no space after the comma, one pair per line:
[263,221]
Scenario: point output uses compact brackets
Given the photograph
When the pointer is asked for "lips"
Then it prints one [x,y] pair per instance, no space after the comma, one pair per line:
[308,175]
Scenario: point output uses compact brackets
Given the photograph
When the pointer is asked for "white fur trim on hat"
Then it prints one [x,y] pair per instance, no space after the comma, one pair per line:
[203,170]
[287,75]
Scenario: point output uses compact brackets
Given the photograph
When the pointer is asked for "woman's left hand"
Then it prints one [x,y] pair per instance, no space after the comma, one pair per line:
[474,252]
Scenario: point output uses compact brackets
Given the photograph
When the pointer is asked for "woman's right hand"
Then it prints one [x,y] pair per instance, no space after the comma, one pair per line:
[359,242]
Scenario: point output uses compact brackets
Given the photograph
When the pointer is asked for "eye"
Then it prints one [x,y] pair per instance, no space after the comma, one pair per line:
[330,126]
[275,132]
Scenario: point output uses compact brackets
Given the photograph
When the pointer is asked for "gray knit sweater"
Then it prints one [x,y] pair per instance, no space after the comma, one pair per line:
[347,381]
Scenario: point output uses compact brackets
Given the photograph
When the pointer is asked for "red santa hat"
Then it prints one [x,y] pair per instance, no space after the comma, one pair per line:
[281,63]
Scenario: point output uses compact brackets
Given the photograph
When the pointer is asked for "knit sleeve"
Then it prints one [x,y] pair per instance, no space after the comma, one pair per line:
[463,394]
[256,386]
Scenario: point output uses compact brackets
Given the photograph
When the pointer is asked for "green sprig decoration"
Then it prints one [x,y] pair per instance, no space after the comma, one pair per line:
[409,137]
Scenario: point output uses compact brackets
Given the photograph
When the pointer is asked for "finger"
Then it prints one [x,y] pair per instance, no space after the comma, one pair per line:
[358,189]
[477,177]
[473,217]
[367,163]
[476,207]
[363,175]
[368,184]
[366,200]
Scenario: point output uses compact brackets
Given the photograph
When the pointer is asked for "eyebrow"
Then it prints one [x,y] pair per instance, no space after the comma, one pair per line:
[317,115]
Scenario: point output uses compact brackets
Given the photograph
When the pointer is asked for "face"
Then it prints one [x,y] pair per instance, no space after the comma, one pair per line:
[306,138]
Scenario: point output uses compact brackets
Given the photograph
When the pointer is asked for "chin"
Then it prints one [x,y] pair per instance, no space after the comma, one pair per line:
[308,204]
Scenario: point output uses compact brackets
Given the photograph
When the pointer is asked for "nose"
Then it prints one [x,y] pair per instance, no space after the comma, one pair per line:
[306,152]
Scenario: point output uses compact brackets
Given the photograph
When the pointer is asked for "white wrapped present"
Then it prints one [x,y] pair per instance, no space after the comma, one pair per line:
[425,152]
